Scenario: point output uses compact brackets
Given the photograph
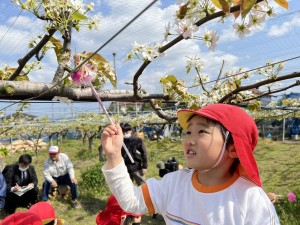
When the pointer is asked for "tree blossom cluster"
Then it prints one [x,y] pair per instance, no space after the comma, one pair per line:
[145,52]
[178,90]
[59,13]
[255,19]
[6,72]
[185,23]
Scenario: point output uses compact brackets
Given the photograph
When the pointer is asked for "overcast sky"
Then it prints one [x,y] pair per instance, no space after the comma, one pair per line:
[278,40]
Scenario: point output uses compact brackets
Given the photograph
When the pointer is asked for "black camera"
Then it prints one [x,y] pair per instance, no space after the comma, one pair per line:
[167,167]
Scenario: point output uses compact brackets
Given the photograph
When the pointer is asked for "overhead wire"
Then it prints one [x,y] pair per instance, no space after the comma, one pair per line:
[11,25]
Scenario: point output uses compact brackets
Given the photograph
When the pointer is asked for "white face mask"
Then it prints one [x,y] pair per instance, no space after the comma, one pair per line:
[127,135]
[23,169]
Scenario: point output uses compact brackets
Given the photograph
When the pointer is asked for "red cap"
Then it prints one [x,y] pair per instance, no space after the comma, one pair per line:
[22,218]
[242,128]
[113,213]
[45,212]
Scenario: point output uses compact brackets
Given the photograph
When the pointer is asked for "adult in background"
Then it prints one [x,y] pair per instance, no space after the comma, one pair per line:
[2,191]
[137,149]
[17,176]
[58,169]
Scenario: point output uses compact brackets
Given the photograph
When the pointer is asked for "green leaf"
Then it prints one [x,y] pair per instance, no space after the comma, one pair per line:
[96,83]
[58,47]
[246,6]
[216,3]
[96,58]
[100,61]
[112,79]
[188,69]
[79,16]
[169,78]
[67,82]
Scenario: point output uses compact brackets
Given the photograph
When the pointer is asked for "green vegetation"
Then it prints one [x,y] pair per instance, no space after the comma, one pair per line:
[279,164]
[3,152]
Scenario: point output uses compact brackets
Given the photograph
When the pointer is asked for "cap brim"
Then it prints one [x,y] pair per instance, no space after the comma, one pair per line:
[60,221]
[184,115]
[46,221]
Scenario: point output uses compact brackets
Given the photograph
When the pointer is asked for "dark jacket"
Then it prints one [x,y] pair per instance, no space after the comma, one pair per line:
[2,191]
[13,176]
[137,149]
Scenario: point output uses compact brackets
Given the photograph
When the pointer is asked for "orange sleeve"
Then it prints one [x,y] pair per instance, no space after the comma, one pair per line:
[147,198]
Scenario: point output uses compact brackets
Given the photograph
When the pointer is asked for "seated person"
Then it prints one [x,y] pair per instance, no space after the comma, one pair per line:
[16,176]
[2,191]
[58,169]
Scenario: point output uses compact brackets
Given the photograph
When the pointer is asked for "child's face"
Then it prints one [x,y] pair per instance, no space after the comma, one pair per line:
[202,144]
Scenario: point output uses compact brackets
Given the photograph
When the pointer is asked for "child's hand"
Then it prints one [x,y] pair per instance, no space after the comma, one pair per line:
[112,140]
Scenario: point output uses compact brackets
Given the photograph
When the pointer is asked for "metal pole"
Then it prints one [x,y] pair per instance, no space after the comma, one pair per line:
[115,69]
[283,129]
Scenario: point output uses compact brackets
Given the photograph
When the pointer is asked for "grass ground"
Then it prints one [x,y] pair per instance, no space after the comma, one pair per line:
[279,164]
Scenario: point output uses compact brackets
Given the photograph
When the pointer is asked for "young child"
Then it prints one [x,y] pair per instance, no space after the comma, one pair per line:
[222,185]
[45,211]
[114,215]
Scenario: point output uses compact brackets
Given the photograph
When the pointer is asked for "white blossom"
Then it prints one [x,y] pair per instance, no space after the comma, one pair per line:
[210,39]
[241,30]
[256,21]
[95,22]
[194,62]
[77,5]
[271,12]
[167,31]
[186,27]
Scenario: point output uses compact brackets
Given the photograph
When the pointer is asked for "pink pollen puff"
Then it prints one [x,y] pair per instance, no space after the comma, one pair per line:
[291,197]
[84,76]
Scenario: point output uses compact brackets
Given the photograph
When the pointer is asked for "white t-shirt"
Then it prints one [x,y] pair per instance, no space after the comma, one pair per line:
[181,199]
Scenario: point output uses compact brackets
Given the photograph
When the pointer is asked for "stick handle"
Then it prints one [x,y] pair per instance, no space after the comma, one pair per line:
[109,118]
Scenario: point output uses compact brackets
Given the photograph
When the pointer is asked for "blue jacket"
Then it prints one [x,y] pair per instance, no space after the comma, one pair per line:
[2,191]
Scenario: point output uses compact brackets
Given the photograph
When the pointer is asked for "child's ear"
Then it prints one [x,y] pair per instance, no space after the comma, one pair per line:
[232,152]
